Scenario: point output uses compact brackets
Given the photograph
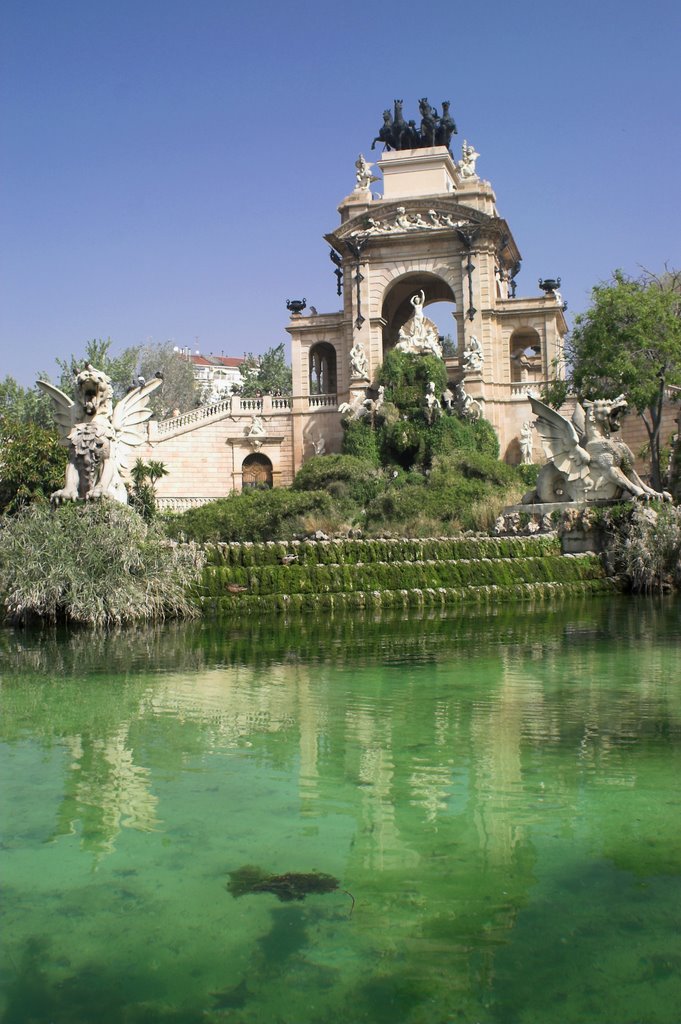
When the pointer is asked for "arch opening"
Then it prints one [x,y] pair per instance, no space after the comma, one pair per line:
[322,377]
[256,472]
[525,355]
[440,304]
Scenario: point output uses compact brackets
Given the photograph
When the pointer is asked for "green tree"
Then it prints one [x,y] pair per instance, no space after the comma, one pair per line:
[629,342]
[25,405]
[143,494]
[266,373]
[121,369]
[32,463]
[179,391]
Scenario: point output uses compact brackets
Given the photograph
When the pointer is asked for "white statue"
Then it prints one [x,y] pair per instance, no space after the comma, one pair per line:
[319,446]
[473,356]
[432,407]
[584,463]
[359,365]
[468,407]
[467,162]
[99,438]
[406,222]
[257,428]
[364,177]
[362,405]
[419,334]
[526,442]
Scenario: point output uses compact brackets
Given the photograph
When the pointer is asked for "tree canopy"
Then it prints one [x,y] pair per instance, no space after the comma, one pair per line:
[629,341]
[266,373]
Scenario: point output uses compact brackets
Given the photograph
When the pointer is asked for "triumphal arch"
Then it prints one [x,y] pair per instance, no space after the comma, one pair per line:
[420,223]
[419,230]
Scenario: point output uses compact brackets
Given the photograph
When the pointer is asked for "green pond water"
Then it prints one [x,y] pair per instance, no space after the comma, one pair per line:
[499,792]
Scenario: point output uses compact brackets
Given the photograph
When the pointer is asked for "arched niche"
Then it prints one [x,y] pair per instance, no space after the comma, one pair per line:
[397,307]
[525,355]
[256,472]
[322,377]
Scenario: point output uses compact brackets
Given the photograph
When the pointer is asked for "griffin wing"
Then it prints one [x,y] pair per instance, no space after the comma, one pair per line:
[560,441]
[129,417]
[62,408]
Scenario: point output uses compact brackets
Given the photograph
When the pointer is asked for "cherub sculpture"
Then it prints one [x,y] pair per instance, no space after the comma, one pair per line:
[585,461]
[100,439]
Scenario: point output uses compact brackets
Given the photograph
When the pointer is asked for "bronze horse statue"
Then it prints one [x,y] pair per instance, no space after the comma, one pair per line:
[429,122]
[385,133]
[435,130]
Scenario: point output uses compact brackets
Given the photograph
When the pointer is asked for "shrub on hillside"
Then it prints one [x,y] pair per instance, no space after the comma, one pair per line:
[643,544]
[360,440]
[94,564]
[323,471]
[277,514]
[405,378]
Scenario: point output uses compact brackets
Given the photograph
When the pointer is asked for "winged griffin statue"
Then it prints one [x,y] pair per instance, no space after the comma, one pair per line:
[585,461]
[99,437]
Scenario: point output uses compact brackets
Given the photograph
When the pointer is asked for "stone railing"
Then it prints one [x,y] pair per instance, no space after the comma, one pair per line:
[322,401]
[204,412]
[236,405]
[181,504]
[519,389]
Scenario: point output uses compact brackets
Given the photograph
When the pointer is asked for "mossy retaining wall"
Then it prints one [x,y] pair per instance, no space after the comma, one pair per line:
[307,575]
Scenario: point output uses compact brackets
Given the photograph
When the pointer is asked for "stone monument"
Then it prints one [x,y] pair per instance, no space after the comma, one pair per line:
[99,437]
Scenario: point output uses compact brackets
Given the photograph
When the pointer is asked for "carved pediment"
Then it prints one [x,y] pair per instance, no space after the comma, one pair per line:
[410,217]
[423,217]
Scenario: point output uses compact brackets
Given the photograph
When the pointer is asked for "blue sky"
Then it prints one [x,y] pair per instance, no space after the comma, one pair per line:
[168,168]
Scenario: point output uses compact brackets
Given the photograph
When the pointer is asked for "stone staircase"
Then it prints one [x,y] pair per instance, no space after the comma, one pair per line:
[240,579]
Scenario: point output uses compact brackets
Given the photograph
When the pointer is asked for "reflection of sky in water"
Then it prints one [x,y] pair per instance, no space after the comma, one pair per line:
[500,794]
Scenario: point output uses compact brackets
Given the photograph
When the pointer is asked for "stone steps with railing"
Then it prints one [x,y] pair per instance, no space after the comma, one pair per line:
[236,406]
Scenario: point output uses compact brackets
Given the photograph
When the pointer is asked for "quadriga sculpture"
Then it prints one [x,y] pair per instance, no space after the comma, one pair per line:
[585,461]
[100,438]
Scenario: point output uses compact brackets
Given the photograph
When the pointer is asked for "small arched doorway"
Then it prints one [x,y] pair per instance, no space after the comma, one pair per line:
[256,472]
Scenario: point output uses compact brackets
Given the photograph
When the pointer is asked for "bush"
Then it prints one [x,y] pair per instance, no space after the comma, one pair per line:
[252,516]
[359,440]
[32,463]
[645,546]
[486,440]
[406,376]
[528,474]
[344,476]
[95,564]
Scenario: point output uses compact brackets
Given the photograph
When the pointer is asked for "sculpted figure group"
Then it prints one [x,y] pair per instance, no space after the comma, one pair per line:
[434,129]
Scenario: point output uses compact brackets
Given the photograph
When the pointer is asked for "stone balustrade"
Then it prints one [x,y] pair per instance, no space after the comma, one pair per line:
[235,405]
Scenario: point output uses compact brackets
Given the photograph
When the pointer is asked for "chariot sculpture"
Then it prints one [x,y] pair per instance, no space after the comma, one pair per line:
[434,129]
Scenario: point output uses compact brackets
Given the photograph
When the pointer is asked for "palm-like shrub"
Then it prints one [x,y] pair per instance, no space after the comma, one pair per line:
[96,564]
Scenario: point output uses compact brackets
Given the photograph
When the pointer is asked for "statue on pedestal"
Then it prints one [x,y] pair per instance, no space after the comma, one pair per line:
[419,335]
[99,437]
[473,356]
[526,442]
[359,364]
[585,462]
[364,177]
[467,162]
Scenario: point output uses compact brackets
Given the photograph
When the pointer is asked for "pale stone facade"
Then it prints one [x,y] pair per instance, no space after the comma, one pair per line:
[434,230]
